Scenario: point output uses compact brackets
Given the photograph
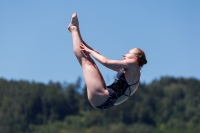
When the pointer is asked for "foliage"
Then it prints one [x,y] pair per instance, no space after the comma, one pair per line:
[165,105]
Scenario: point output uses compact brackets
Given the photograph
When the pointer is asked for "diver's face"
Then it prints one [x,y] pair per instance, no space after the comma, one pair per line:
[130,54]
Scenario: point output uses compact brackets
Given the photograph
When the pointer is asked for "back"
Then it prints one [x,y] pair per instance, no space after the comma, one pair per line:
[122,89]
[132,79]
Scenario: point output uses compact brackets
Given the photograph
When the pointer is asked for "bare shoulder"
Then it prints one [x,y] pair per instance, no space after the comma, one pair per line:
[133,65]
[132,74]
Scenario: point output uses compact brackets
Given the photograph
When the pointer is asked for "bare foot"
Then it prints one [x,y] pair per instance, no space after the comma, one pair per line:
[74,25]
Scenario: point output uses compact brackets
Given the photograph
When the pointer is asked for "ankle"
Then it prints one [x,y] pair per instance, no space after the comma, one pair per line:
[73,28]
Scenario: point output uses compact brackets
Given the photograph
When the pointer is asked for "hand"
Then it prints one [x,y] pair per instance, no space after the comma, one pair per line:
[90,47]
[87,45]
[85,49]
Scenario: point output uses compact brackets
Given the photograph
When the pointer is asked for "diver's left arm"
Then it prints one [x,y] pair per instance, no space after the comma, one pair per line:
[103,60]
[112,64]
[118,64]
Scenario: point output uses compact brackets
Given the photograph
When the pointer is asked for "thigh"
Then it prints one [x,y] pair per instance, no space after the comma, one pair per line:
[97,94]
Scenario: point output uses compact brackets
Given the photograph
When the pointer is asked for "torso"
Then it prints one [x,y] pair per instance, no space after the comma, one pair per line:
[120,90]
[131,78]
[121,85]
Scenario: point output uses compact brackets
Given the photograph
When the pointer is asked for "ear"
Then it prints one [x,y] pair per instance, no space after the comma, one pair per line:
[135,58]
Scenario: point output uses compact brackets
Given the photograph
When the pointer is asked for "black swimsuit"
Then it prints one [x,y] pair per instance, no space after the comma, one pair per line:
[116,90]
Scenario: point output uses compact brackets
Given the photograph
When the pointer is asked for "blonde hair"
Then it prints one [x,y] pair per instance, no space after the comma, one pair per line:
[141,57]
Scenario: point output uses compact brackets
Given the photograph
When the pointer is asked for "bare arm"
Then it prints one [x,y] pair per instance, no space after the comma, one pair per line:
[112,64]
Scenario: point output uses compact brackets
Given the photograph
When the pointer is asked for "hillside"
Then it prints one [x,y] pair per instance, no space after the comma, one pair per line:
[165,105]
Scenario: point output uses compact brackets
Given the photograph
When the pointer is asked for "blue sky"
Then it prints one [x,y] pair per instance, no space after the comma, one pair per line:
[35,44]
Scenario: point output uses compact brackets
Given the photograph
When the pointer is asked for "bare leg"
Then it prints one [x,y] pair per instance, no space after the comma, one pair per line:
[97,94]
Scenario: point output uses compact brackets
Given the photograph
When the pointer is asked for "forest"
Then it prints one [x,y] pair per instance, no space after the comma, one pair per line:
[166,105]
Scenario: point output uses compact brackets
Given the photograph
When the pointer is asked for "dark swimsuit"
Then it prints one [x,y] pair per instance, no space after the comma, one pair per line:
[116,90]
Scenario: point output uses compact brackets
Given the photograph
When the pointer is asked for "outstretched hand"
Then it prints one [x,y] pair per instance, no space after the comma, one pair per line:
[84,49]
[87,45]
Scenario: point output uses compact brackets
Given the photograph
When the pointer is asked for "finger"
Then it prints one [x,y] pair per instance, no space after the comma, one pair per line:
[82,48]
[82,43]
[83,53]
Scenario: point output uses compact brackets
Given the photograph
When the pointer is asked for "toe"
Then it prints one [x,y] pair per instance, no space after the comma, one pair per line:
[74,14]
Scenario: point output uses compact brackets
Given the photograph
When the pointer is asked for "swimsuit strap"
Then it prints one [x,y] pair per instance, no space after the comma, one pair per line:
[134,83]
[129,92]
[130,89]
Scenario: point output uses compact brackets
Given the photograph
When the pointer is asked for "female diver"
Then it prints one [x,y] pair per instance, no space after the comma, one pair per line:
[128,71]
